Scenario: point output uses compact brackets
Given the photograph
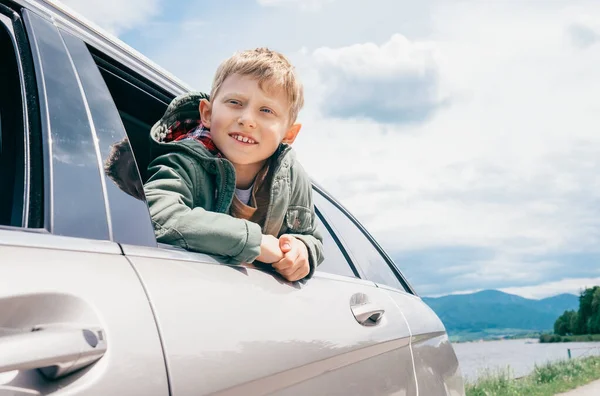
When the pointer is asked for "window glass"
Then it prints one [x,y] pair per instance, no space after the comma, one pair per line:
[363,252]
[12,135]
[139,103]
[78,205]
[124,189]
[335,262]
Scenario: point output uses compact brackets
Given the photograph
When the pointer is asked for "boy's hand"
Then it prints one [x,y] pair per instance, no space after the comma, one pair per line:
[294,265]
[269,250]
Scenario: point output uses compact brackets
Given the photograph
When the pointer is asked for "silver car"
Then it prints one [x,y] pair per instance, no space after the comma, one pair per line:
[90,304]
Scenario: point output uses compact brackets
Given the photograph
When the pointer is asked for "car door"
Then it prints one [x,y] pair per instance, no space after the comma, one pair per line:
[242,331]
[436,366]
[74,317]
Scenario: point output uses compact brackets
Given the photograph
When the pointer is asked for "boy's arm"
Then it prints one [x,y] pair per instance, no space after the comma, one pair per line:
[170,192]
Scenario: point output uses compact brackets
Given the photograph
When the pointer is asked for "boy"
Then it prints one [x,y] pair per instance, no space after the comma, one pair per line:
[223,179]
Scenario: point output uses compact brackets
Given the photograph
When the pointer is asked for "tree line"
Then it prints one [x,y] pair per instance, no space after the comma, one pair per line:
[584,321]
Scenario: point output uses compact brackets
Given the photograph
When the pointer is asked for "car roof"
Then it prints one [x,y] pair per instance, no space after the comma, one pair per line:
[68,19]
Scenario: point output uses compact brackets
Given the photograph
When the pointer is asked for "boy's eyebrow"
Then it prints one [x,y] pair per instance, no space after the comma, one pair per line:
[267,101]
[234,94]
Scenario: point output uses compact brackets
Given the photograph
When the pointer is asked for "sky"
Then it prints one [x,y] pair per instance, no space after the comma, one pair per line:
[465,135]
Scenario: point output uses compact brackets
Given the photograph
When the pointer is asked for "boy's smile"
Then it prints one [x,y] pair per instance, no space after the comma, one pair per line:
[242,138]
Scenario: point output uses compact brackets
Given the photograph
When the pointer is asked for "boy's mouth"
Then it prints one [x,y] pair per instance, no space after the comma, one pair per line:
[243,139]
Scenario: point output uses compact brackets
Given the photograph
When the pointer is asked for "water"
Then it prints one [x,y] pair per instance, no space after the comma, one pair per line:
[520,355]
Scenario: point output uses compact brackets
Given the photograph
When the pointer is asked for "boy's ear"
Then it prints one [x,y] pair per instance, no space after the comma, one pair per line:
[291,134]
[205,109]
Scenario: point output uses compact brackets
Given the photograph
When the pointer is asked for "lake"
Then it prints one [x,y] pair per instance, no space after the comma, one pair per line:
[520,355]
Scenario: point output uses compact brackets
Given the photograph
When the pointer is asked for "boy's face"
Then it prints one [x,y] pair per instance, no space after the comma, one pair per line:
[246,123]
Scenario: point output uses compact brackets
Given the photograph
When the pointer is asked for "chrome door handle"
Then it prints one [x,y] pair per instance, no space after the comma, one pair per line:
[56,352]
[367,314]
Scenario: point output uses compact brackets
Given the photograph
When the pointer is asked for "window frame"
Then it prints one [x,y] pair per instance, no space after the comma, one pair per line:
[386,258]
[32,216]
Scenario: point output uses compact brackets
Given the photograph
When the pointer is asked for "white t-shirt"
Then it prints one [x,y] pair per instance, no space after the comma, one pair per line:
[244,195]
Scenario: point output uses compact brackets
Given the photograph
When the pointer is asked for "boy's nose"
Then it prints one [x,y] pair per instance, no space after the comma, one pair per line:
[246,119]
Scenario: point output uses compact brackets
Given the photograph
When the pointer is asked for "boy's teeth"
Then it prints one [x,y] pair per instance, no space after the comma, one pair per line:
[243,139]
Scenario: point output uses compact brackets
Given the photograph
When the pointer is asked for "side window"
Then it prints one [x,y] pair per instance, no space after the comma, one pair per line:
[335,262]
[139,102]
[12,133]
[362,251]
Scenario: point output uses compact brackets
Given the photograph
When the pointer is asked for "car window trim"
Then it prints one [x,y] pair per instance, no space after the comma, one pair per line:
[408,288]
[8,22]
[44,115]
[121,71]
[12,23]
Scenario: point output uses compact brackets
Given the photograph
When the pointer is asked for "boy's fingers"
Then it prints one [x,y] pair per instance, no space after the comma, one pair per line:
[285,243]
[300,273]
[285,262]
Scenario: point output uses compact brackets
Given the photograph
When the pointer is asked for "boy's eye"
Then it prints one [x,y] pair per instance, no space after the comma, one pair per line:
[234,101]
[266,110]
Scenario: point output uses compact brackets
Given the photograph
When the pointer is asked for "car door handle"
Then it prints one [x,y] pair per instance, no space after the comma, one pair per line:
[56,352]
[367,314]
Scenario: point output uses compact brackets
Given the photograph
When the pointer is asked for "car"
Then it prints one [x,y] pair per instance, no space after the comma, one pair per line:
[91,304]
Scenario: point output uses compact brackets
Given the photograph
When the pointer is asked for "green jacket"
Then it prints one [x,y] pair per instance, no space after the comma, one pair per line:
[189,192]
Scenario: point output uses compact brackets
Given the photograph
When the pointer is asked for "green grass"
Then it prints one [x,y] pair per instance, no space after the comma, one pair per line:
[544,338]
[546,380]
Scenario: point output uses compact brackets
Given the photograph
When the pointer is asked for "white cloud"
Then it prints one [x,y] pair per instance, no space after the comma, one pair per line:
[396,82]
[511,161]
[309,5]
[510,167]
[572,286]
[115,16]
[544,290]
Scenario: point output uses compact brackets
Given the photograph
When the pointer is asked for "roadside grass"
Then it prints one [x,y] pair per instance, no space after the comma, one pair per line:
[546,380]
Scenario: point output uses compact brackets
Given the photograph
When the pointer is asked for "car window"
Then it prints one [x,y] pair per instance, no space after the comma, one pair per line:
[362,251]
[126,202]
[12,134]
[335,261]
[140,104]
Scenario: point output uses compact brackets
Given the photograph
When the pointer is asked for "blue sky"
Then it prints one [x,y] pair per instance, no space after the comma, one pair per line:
[465,134]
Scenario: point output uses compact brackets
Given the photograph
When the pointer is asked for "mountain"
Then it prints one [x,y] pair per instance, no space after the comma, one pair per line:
[494,313]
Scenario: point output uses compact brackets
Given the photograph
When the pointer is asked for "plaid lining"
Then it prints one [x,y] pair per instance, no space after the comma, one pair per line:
[192,130]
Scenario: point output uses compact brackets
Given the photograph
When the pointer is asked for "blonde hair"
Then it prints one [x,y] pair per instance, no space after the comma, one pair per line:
[267,66]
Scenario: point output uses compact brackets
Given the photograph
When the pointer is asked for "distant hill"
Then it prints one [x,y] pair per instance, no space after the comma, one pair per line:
[492,313]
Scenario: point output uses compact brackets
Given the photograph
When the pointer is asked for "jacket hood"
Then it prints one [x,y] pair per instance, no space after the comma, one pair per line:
[184,109]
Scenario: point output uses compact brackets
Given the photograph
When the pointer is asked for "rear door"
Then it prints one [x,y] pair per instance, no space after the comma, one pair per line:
[74,317]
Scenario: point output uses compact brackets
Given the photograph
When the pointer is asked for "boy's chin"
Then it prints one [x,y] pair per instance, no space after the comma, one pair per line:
[238,161]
